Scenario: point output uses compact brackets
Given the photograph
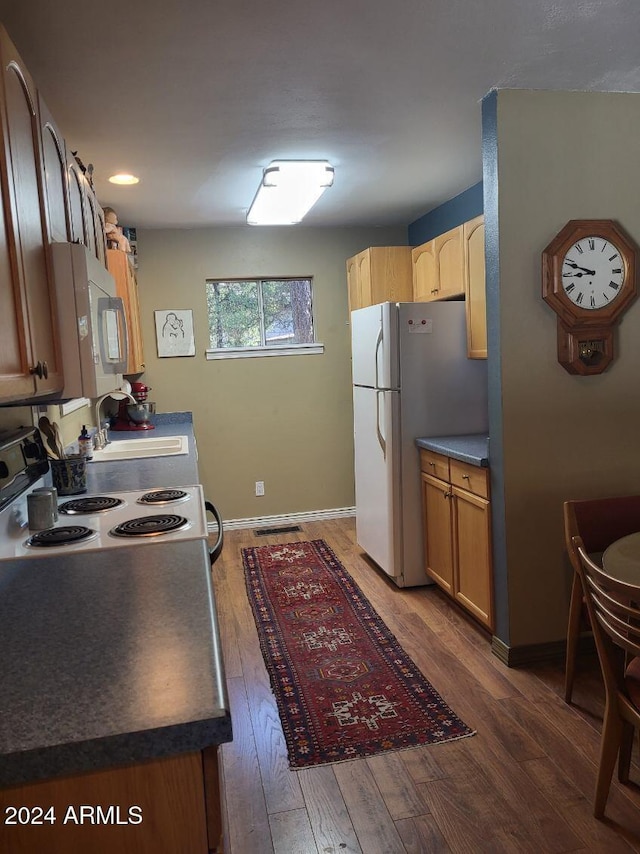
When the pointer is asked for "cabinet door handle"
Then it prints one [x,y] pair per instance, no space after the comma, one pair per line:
[381,439]
[465,477]
[37,370]
[432,464]
[45,370]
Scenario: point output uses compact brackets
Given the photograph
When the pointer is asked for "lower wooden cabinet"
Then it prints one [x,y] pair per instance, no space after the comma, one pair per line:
[457,531]
[170,804]
[438,532]
[473,577]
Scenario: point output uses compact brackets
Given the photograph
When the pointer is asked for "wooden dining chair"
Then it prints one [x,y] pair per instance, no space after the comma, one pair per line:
[599,522]
[614,612]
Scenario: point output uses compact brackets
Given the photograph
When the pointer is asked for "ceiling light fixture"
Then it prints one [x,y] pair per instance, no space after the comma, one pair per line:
[123,179]
[288,190]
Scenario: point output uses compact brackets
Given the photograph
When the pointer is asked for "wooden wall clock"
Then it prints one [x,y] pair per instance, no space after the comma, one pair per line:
[589,280]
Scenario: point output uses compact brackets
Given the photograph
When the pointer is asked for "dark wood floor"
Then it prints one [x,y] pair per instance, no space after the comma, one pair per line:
[523,783]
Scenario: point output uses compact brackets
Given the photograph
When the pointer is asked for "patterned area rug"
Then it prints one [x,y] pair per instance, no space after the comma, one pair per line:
[345,688]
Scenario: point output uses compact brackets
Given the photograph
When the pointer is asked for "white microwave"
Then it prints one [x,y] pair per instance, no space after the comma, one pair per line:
[92,321]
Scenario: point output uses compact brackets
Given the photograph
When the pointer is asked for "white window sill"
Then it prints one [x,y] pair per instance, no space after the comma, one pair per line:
[254,352]
[72,405]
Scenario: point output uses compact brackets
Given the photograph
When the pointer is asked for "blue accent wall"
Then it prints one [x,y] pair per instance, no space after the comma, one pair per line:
[492,267]
[462,208]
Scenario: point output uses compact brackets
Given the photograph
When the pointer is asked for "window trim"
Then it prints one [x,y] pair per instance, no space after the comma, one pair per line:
[312,348]
[315,349]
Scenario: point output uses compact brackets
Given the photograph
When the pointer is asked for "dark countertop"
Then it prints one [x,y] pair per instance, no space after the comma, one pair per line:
[178,470]
[106,661]
[472,448]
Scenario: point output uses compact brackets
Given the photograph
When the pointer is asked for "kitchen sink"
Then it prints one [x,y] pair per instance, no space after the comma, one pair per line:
[150,446]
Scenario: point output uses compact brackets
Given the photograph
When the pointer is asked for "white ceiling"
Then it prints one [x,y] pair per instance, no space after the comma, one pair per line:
[196,96]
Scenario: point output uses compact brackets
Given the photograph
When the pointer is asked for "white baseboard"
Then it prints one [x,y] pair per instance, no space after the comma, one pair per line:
[287,518]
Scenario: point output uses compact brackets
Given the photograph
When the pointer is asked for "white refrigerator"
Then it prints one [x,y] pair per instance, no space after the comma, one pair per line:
[411,379]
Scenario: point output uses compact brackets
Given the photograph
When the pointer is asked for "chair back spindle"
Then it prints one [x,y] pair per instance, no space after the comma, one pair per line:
[614,611]
[598,522]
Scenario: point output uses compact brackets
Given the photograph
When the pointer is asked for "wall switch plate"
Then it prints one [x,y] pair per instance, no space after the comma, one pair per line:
[259,487]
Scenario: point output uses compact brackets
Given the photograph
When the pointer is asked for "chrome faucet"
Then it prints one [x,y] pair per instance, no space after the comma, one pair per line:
[102,437]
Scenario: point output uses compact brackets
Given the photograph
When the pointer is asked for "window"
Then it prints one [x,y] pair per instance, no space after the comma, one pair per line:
[259,317]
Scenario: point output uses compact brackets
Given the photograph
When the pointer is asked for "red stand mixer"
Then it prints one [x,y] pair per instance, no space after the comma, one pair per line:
[135,416]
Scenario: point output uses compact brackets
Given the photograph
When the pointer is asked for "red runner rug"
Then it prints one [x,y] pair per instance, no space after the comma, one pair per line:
[344,686]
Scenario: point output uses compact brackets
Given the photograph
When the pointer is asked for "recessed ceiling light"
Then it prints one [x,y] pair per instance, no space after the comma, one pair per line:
[124,179]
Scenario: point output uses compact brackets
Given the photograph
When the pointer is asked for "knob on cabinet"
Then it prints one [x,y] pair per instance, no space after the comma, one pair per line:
[41,370]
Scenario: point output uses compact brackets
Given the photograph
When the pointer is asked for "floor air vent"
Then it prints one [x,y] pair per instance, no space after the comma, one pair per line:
[283,529]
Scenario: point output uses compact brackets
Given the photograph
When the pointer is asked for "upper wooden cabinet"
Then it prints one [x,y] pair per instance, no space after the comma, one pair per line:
[452,266]
[353,284]
[75,184]
[449,251]
[30,362]
[379,274]
[121,269]
[95,224]
[73,211]
[85,214]
[475,290]
[54,158]
[101,236]
[438,267]
[425,272]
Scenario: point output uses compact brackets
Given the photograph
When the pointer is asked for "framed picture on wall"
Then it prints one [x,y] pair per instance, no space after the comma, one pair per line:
[174,333]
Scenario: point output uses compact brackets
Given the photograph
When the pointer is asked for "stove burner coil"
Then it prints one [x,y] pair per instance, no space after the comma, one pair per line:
[163,496]
[91,504]
[62,536]
[150,526]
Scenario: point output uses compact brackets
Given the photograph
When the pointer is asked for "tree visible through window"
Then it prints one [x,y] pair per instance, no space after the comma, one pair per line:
[259,313]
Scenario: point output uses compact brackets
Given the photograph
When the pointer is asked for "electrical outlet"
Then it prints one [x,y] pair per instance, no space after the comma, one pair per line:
[259,487]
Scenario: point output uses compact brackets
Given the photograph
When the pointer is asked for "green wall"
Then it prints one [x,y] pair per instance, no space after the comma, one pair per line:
[285,420]
[554,156]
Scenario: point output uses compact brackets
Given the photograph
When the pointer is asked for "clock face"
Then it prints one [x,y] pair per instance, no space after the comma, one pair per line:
[593,273]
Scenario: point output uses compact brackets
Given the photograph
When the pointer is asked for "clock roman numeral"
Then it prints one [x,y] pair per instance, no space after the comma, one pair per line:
[615,255]
[592,243]
[579,298]
[570,287]
[579,248]
[614,285]
[592,301]
[617,270]
[605,296]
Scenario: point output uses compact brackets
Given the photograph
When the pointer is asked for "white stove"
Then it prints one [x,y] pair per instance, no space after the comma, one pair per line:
[105,521]
[89,522]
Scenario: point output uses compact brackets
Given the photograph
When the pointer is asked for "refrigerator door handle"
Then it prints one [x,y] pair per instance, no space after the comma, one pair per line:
[378,345]
[381,440]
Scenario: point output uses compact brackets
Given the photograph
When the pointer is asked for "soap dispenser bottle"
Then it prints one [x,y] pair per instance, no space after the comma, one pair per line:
[85,444]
